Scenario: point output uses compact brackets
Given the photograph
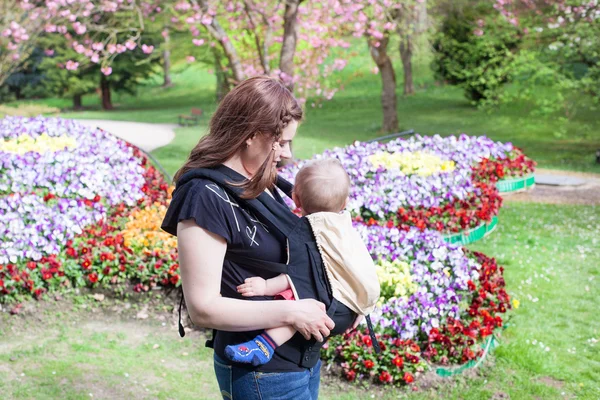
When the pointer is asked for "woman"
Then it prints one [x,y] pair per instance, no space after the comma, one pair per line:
[250,132]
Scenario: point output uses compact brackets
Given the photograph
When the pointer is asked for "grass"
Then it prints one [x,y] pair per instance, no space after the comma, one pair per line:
[552,267]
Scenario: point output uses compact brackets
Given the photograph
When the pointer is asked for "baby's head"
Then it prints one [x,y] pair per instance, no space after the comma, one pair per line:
[322,185]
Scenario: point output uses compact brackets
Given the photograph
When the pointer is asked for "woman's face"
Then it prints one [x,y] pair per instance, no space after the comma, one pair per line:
[260,146]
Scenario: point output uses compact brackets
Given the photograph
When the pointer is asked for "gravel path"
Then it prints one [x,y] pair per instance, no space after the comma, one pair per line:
[146,136]
[587,193]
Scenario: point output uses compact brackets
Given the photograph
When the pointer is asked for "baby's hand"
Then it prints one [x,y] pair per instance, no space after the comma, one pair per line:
[254,286]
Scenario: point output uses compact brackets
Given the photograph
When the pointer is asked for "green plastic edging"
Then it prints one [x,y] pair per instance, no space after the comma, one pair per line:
[490,344]
[515,184]
[491,226]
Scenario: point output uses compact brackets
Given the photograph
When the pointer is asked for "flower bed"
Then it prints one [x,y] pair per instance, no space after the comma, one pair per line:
[74,202]
[444,184]
[67,220]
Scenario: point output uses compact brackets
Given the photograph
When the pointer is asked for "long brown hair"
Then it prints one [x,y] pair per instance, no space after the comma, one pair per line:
[259,105]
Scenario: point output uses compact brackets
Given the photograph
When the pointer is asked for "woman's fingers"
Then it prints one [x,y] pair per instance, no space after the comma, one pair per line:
[357,322]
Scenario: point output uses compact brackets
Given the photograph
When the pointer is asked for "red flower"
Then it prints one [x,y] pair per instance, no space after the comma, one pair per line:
[398,361]
[471,286]
[174,279]
[408,378]
[1,283]
[122,268]
[85,250]
[31,265]
[366,339]
[86,264]
[368,364]
[385,377]
[71,252]
[350,375]
[93,277]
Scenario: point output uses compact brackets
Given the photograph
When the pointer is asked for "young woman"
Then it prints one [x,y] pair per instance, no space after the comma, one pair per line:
[250,132]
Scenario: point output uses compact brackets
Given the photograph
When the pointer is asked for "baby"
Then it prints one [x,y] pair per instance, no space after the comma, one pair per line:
[321,192]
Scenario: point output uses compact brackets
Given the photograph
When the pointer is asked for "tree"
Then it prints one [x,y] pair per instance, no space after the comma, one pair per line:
[23,22]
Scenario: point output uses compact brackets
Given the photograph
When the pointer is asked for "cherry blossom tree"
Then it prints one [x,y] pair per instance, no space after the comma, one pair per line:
[98,30]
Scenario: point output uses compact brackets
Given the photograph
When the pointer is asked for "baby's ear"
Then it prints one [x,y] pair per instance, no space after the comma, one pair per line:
[346,203]
[296,200]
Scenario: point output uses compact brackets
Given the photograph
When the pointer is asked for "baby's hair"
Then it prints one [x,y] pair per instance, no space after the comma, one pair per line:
[322,185]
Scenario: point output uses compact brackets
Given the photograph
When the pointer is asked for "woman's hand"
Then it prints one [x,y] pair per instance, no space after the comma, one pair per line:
[310,319]
[254,286]
[357,322]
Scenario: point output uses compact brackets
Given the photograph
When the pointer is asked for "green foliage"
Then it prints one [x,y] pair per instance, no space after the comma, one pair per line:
[475,52]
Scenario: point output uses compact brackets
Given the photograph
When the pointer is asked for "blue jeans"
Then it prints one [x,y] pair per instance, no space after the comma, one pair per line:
[241,384]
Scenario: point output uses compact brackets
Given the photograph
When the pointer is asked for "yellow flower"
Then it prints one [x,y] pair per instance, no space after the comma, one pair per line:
[516,303]
[42,144]
[143,230]
[395,279]
[409,163]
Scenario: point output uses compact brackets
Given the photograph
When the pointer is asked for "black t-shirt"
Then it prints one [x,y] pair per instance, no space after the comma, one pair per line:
[213,209]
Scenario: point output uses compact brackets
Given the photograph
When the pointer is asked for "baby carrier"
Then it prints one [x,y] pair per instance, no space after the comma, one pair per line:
[305,266]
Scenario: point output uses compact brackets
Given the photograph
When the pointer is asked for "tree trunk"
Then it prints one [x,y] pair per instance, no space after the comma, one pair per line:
[217,32]
[77,102]
[105,91]
[223,86]
[288,46]
[406,50]
[388,81]
[167,62]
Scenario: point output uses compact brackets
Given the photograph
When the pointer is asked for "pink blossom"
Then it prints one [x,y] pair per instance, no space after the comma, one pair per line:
[375,70]
[16,56]
[11,46]
[147,49]
[130,44]
[79,28]
[106,70]
[478,32]
[121,48]
[79,49]
[95,58]
[480,23]
[62,29]
[49,52]
[165,33]
[111,48]
[50,28]
[198,42]
[206,20]
[72,65]
[98,46]
[190,59]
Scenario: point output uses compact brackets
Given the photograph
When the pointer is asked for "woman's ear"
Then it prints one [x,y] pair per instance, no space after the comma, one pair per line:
[250,140]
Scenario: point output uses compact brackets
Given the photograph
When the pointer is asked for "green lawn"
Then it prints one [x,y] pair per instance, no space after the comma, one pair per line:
[552,267]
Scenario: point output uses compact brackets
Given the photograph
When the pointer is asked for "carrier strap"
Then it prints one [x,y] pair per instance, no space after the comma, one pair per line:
[256,263]
[277,215]
[372,334]
[180,325]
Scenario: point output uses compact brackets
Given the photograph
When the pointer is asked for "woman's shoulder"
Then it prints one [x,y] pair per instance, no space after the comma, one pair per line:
[201,200]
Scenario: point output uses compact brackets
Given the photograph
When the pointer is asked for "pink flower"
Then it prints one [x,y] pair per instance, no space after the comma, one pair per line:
[480,23]
[106,70]
[375,70]
[478,32]
[98,46]
[147,49]
[72,65]
[198,42]
[121,48]
[11,46]
[111,48]
[95,58]
[80,49]
[49,52]
[206,20]
[79,28]
[190,59]
[130,44]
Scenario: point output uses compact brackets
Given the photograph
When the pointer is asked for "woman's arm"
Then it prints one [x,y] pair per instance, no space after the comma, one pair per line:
[201,255]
